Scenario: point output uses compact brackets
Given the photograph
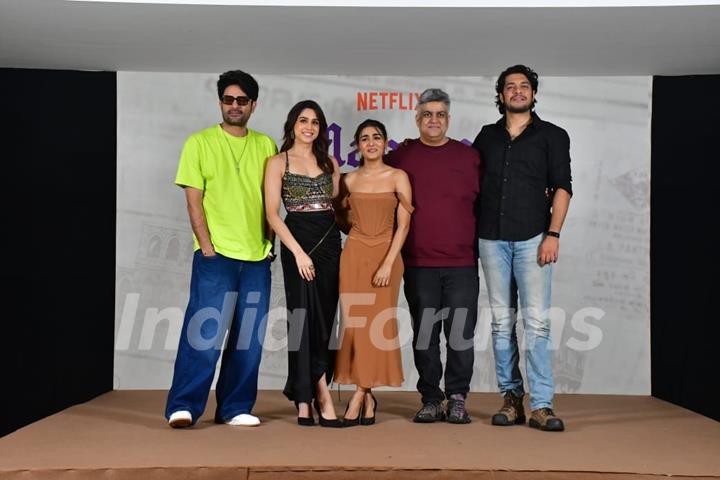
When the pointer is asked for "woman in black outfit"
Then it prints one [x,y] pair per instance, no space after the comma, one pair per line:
[306,178]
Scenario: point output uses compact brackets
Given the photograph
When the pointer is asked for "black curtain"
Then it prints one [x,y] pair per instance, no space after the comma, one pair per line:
[58,149]
[684,260]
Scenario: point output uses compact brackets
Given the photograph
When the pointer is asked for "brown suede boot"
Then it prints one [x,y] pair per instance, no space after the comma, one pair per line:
[545,419]
[511,413]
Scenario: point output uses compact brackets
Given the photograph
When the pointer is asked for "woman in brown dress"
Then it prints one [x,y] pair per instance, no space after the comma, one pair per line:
[378,199]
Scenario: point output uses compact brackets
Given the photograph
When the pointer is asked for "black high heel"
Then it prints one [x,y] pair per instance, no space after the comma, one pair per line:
[326,422]
[305,421]
[369,420]
[351,422]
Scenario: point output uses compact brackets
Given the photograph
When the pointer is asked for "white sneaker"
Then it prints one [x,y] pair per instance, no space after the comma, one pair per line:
[180,419]
[244,420]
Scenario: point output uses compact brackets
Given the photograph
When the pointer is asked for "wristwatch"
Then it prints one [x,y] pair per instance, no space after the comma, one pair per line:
[550,233]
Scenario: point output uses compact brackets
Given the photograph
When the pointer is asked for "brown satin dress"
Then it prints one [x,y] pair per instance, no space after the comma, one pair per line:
[369,354]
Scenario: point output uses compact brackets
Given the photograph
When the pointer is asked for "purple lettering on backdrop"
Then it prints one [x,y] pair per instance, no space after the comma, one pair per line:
[335,142]
[352,156]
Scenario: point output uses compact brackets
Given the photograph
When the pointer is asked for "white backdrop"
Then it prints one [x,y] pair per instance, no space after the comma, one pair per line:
[601,289]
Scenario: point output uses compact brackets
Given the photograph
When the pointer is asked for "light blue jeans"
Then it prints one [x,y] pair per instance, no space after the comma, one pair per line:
[512,272]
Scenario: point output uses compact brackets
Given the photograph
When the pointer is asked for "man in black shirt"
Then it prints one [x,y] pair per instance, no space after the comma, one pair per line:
[525,194]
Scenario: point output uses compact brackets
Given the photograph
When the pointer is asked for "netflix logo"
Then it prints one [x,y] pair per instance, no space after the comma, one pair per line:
[387,100]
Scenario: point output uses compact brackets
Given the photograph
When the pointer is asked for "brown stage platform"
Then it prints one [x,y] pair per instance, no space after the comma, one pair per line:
[122,435]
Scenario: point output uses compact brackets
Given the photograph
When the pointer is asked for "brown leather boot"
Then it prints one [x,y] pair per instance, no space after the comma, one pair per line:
[545,419]
[511,413]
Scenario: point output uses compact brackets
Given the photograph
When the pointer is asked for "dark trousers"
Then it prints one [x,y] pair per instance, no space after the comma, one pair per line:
[443,298]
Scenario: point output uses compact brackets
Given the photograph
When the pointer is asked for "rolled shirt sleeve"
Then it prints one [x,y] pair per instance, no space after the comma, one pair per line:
[559,175]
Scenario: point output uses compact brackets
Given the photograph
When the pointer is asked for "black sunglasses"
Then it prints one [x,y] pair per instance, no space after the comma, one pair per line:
[241,100]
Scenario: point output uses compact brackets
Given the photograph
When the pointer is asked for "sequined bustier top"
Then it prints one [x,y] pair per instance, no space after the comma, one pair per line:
[301,193]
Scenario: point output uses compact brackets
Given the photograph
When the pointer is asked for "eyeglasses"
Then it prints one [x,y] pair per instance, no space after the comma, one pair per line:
[441,115]
[241,100]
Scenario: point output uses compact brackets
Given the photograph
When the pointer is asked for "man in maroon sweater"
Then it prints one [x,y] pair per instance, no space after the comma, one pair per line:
[440,255]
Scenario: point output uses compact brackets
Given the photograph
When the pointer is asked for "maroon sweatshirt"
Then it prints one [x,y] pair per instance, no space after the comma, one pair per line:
[445,186]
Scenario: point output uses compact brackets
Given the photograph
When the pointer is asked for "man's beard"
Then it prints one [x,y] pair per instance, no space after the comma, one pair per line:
[235,122]
[521,109]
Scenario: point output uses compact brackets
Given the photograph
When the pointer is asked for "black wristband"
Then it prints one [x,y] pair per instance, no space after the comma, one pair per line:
[550,233]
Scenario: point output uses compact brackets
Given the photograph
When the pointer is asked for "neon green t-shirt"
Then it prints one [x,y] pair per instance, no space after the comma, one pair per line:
[229,170]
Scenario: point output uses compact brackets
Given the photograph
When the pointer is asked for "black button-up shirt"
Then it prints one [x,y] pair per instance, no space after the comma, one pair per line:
[520,177]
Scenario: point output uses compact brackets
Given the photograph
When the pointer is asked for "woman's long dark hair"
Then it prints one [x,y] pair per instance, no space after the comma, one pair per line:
[320,144]
[368,123]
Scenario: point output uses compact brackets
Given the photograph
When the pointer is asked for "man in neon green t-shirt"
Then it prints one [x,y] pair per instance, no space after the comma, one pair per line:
[221,170]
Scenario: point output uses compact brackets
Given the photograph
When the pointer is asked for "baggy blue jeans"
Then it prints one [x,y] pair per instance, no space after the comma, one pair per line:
[225,294]
[512,272]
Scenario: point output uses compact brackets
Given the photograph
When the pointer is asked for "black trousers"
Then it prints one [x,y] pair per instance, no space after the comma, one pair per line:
[443,298]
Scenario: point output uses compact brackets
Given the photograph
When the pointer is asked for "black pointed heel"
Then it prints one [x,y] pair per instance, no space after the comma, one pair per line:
[326,422]
[370,420]
[351,422]
[305,421]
